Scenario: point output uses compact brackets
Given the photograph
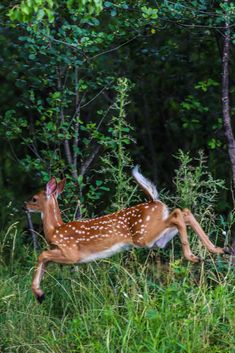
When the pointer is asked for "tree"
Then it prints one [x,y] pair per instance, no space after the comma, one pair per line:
[59,86]
[58,108]
[225,98]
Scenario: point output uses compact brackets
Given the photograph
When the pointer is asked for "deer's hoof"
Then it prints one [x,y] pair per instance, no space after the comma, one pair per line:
[220,250]
[40,298]
[227,250]
[195,259]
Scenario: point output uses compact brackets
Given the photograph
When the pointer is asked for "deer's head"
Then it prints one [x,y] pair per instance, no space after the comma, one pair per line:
[43,198]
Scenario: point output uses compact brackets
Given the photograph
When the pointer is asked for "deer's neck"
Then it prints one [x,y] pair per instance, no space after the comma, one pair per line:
[51,219]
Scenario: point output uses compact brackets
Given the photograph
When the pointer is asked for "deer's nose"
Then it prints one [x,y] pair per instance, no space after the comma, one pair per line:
[24,208]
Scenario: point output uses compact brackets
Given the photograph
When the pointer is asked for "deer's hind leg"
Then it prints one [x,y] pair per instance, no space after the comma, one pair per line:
[176,219]
[193,223]
[173,223]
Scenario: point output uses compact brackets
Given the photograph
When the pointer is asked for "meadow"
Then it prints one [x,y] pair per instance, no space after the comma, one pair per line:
[139,301]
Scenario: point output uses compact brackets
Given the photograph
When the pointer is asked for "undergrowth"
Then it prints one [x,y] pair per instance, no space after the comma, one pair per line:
[125,304]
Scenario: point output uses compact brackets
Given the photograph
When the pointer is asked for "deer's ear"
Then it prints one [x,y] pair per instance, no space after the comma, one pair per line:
[60,186]
[51,186]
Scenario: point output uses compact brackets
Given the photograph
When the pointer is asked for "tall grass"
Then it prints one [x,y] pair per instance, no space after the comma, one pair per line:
[125,304]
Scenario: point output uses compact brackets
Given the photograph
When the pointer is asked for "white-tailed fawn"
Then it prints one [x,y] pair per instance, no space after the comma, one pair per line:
[147,225]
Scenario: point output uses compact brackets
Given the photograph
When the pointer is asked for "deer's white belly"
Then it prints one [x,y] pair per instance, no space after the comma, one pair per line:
[105,253]
[163,238]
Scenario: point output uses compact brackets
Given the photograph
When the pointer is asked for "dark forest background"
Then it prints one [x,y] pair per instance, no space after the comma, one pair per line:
[60,65]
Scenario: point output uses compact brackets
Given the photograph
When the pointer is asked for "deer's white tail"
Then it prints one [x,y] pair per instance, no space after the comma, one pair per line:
[148,187]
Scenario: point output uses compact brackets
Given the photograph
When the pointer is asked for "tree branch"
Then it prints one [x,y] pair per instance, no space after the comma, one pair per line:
[76,127]
[67,148]
[85,166]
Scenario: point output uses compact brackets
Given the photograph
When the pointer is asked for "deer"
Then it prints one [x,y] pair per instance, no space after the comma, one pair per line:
[145,225]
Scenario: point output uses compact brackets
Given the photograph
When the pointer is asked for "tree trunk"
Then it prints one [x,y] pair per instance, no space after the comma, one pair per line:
[225,102]
[32,231]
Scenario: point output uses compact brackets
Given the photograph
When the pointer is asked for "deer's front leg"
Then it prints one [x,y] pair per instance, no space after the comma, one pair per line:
[192,222]
[54,255]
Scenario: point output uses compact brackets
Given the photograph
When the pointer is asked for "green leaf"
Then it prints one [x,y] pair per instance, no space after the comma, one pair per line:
[40,14]
[99,182]
[80,179]
[56,95]
[25,9]
[32,56]
[113,13]
[108,4]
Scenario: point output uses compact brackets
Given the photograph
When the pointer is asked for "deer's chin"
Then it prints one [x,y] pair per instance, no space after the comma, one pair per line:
[32,210]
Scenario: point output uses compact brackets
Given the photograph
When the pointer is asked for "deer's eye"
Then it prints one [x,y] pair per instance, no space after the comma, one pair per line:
[34,199]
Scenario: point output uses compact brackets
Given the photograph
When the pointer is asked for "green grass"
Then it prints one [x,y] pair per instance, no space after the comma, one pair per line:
[129,303]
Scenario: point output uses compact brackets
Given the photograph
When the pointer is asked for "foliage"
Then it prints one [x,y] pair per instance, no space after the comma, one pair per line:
[197,190]
[59,118]
[195,186]
[28,10]
[116,163]
[59,87]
